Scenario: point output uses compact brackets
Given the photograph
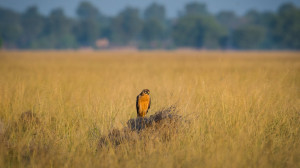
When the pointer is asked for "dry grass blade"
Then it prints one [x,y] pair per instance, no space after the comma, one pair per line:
[233,109]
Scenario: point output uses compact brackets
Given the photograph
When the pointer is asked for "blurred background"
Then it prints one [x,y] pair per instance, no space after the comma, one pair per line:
[150,24]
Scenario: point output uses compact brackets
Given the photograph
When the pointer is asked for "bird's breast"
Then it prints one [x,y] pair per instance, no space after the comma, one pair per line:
[144,102]
[145,98]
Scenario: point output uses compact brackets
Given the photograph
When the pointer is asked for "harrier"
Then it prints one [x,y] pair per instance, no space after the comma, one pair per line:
[143,103]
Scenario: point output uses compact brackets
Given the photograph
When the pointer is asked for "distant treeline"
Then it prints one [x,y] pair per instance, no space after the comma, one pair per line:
[194,27]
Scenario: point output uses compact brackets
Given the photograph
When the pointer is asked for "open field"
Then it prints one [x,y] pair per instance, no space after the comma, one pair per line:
[243,108]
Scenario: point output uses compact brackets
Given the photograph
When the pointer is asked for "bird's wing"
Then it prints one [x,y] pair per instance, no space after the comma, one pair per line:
[137,104]
[149,103]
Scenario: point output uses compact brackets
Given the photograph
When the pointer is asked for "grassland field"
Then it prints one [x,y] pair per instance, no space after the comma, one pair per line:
[243,108]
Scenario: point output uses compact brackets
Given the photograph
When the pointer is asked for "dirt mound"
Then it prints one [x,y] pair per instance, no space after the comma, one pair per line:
[162,126]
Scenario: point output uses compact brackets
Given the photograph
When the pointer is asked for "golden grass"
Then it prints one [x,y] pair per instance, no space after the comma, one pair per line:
[244,108]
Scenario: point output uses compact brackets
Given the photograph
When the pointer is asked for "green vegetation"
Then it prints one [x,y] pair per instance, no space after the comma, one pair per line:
[248,37]
[195,27]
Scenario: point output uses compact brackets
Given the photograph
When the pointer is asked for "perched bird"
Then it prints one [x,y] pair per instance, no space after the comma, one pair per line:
[143,103]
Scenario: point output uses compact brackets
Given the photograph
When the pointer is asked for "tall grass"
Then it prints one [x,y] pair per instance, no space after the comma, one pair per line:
[244,108]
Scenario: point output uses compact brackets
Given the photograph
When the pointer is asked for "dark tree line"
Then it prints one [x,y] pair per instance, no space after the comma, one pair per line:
[194,27]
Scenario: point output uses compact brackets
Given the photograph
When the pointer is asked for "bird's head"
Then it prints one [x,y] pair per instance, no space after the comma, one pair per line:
[146,91]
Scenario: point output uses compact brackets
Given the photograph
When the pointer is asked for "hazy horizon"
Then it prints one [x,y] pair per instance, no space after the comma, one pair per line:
[173,7]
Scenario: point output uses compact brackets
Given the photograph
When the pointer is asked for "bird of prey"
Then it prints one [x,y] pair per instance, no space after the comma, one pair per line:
[143,103]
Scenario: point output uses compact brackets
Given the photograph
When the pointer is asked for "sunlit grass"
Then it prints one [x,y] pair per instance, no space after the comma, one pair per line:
[244,108]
